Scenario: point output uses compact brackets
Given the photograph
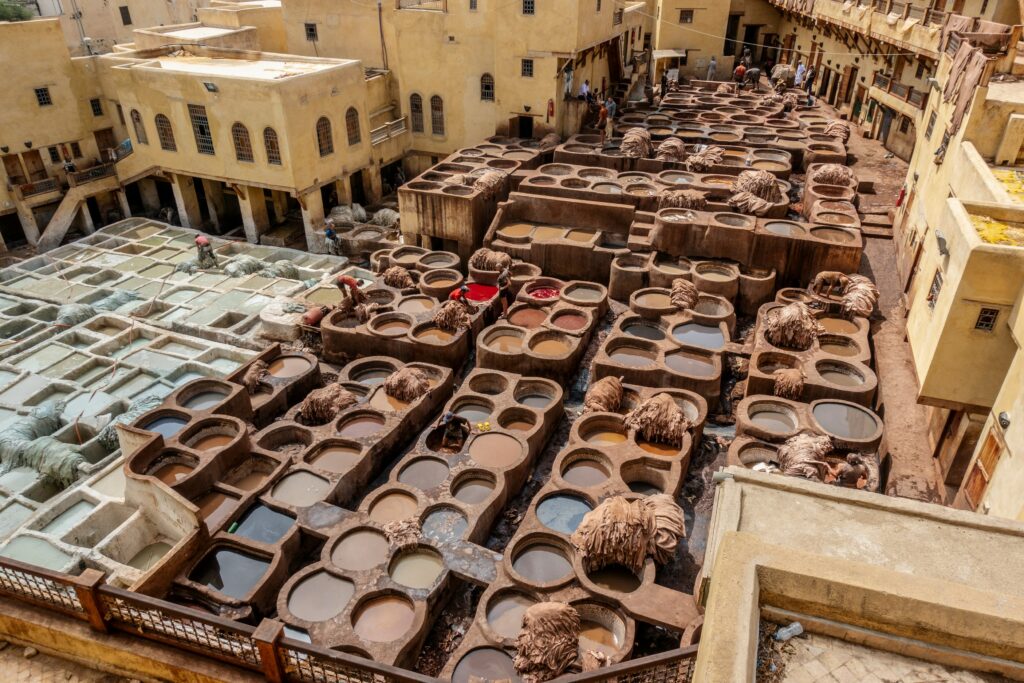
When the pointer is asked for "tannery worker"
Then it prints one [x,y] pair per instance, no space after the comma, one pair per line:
[504,290]
[205,258]
[331,241]
[456,430]
[349,287]
[461,295]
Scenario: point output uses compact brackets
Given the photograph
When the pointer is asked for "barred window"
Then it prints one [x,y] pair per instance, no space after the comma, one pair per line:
[97,107]
[54,155]
[526,68]
[935,289]
[352,126]
[528,7]
[140,129]
[43,97]
[686,16]
[311,33]
[324,139]
[487,87]
[273,149]
[986,319]
[243,145]
[76,150]
[165,134]
[416,112]
[437,115]
[201,128]
[472,5]
[931,126]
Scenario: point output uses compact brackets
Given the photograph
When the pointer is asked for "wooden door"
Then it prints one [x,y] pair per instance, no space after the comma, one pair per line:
[981,472]
[15,172]
[104,141]
[34,165]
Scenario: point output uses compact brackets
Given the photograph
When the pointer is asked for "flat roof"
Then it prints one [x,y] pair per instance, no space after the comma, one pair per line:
[266,69]
[198,32]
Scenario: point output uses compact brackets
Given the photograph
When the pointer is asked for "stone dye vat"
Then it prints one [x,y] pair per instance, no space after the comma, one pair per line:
[601,459]
[398,555]
[130,267]
[546,330]
[763,423]
[246,491]
[636,188]
[72,509]
[837,364]
[656,345]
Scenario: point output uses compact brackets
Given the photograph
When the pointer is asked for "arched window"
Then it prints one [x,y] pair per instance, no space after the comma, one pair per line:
[165,133]
[243,145]
[416,112]
[437,115]
[273,149]
[323,137]
[352,126]
[140,130]
[487,87]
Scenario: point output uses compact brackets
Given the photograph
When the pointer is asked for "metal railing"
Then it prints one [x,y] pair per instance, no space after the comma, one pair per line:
[899,90]
[38,187]
[90,174]
[387,131]
[262,648]
[934,17]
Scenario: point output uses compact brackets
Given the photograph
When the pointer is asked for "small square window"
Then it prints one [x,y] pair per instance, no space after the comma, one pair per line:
[97,107]
[76,150]
[43,97]
[54,155]
[986,319]
[686,16]
[905,124]
[598,6]
[120,114]
[528,7]
[931,126]
[126,16]
[472,5]
[311,34]
[526,68]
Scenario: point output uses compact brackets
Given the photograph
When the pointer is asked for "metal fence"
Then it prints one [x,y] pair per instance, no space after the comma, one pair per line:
[90,174]
[262,648]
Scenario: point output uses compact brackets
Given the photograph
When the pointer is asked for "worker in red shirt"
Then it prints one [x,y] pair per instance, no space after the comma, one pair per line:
[349,287]
[460,295]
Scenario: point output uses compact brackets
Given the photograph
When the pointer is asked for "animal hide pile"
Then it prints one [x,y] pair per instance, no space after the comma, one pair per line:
[490,183]
[548,643]
[671,149]
[452,317]
[682,199]
[833,174]
[253,376]
[636,143]
[406,384]
[486,259]
[684,294]
[791,327]
[603,396]
[804,456]
[398,277]
[751,204]
[323,405]
[789,383]
[705,160]
[760,184]
[659,419]
[838,129]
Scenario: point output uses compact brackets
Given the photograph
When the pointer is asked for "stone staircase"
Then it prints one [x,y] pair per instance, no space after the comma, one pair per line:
[68,209]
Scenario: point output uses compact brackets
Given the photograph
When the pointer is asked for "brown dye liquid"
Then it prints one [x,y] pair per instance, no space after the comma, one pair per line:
[473,491]
[570,321]
[418,569]
[585,473]
[528,317]
[320,597]
[172,472]
[715,275]
[392,507]
[424,474]
[843,379]
[545,233]
[690,364]
[542,563]
[551,347]
[485,664]
[384,619]
[288,366]
[360,550]
[251,481]
[443,282]
[658,448]
[845,350]
[838,325]
[616,578]
[496,450]
[505,615]
[364,425]
[214,508]
[338,459]
[580,235]
[506,343]
[605,438]
[845,421]
[632,357]
[654,300]
[415,305]
[381,401]
[300,489]
[435,335]
[773,421]
[516,229]
[518,426]
[393,327]
[594,636]
[212,441]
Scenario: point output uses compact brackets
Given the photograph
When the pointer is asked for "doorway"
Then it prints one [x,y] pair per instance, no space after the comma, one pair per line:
[14,170]
[732,28]
[356,187]
[34,165]
[104,142]
[523,126]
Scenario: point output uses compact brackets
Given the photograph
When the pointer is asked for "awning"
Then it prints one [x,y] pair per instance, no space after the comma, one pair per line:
[669,54]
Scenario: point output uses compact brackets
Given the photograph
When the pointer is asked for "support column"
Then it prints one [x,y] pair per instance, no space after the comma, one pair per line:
[313,220]
[187,201]
[122,200]
[150,196]
[255,218]
[344,190]
[105,203]
[214,192]
[372,184]
[28,223]
[88,227]
[280,200]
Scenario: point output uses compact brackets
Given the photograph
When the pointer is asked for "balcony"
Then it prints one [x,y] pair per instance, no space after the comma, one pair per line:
[39,187]
[391,140]
[429,5]
[89,175]
[389,130]
[913,97]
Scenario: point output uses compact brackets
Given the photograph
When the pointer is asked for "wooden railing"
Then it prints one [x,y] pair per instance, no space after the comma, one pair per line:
[387,131]
[38,187]
[90,174]
[262,648]
[900,91]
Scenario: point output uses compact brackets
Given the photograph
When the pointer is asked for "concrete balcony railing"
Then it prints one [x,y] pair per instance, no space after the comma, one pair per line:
[900,91]
[38,187]
[76,178]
